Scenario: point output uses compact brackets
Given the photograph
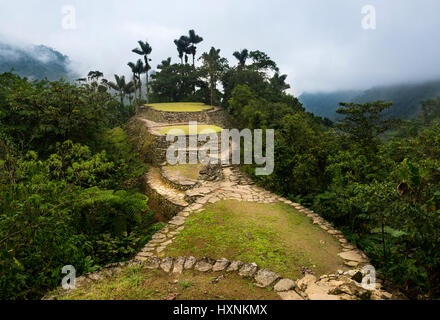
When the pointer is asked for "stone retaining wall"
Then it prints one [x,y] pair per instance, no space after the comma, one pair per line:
[152,146]
[166,206]
[215,116]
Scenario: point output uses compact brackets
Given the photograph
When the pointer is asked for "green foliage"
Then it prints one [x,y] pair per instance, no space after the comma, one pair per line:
[363,123]
[383,194]
[176,83]
[41,113]
[68,185]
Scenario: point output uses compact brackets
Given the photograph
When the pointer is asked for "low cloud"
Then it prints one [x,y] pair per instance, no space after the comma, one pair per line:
[320,44]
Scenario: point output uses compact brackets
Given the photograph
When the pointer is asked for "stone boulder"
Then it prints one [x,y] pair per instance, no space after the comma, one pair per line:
[220,265]
[189,263]
[234,266]
[284,285]
[248,270]
[167,264]
[204,265]
[265,278]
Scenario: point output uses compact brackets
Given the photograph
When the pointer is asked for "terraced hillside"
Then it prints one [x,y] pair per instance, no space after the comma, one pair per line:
[225,238]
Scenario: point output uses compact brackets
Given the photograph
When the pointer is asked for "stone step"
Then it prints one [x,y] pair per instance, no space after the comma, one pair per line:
[164,200]
[154,179]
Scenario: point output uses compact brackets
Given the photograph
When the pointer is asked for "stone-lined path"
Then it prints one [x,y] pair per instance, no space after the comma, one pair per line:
[236,186]
[342,285]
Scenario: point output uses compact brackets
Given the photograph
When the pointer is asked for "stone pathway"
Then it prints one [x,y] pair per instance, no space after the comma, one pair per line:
[154,180]
[235,186]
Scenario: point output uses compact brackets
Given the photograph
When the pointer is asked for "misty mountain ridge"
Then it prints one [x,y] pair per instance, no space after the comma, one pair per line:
[35,62]
[406,99]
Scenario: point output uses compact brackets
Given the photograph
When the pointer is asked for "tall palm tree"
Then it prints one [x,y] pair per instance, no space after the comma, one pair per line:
[182,46]
[140,69]
[134,71]
[119,85]
[129,89]
[193,39]
[145,50]
[241,57]
[214,65]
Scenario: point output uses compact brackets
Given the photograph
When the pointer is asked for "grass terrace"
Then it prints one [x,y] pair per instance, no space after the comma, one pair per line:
[185,128]
[190,171]
[275,236]
[180,107]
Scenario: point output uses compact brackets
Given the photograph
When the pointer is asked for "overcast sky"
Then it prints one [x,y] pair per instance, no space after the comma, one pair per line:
[320,44]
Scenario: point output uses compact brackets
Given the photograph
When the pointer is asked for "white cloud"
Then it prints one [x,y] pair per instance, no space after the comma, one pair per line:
[320,44]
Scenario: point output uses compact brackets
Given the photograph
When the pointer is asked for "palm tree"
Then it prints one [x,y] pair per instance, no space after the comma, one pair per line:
[139,70]
[193,40]
[119,85]
[279,82]
[214,65]
[182,46]
[129,89]
[145,50]
[164,64]
[134,71]
[241,57]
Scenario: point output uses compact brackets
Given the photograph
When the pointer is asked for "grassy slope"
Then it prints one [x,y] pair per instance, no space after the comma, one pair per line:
[180,107]
[275,236]
[135,283]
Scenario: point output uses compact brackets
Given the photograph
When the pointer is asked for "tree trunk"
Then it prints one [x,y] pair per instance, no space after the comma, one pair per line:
[140,87]
[146,80]
[135,86]
[212,91]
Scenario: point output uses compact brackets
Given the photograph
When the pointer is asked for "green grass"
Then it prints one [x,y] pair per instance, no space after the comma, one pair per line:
[136,283]
[186,128]
[275,236]
[180,107]
[191,171]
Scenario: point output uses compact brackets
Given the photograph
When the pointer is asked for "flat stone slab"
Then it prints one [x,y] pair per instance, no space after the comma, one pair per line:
[204,265]
[352,256]
[290,295]
[178,265]
[189,263]
[234,266]
[177,221]
[266,278]
[248,270]
[303,283]
[284,285]
[220,265]
[167,264]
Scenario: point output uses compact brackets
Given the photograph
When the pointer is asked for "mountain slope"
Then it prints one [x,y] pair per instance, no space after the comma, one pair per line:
[406,99]
[34,62]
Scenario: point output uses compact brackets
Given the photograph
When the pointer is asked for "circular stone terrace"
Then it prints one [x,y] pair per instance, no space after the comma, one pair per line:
[178,113]
[180,107]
